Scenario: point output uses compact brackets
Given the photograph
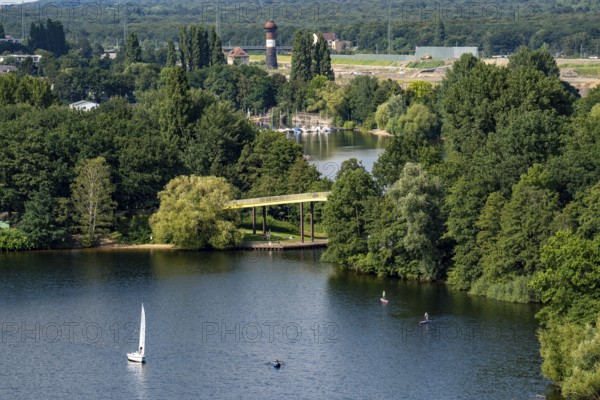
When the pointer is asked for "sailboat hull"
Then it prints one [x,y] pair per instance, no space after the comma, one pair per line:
[136,357]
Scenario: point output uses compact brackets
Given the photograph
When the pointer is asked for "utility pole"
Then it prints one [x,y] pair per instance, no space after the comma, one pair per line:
[389,32]
[22,21]
[124,25]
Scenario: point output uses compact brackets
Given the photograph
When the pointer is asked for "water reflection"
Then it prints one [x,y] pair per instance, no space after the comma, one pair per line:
[328,151]
[135,372]
[329,325]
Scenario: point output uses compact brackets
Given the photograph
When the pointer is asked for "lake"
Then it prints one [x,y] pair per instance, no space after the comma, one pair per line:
[328,151]
[214,319]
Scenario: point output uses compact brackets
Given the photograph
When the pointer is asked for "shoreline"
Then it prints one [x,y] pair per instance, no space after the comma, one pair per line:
[121,246]
[380,132]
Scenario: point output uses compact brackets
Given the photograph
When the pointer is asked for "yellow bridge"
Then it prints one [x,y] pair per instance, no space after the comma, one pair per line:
[263,202]
[276,200]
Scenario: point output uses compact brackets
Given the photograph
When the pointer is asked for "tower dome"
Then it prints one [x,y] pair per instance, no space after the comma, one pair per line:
[270,25]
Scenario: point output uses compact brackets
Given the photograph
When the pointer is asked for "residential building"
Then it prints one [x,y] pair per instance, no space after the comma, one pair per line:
[83,105]
[238,56]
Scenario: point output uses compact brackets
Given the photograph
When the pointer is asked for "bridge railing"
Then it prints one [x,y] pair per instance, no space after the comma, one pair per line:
[275,200]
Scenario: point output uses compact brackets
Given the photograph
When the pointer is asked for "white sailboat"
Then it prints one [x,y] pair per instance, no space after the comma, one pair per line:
[139,355]
[383,299]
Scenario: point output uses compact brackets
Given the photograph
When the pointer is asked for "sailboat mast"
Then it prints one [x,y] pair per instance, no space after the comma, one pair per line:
[142,346]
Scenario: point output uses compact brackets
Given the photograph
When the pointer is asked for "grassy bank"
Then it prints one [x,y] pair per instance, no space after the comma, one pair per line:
[425,64]
[279,230]
[591,70]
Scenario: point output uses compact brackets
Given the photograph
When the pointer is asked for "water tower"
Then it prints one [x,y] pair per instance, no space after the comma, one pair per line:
[271,33]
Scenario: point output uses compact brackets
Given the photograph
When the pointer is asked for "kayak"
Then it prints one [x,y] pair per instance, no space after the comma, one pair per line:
[384,301]
[276,364]
[425,322]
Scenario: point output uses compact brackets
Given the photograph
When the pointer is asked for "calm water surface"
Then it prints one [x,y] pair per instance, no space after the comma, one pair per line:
[214,319]
[328,151]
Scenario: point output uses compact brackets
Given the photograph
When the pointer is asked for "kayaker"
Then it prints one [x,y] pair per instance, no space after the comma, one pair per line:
[426,316]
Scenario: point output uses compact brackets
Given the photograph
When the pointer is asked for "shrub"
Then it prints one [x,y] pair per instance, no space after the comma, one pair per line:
[571,355]
[14,240]
[515,290]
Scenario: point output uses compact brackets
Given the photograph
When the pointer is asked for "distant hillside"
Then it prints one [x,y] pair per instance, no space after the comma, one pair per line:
[568,27]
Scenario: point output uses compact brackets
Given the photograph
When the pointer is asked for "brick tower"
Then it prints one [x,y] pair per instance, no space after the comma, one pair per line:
[271,33]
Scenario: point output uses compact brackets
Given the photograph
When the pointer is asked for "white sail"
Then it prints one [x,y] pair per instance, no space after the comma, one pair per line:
[138,356]
[142,347]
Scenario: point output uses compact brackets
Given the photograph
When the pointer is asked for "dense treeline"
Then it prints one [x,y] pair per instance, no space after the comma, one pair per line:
[490,182]
[48,151]
[154,124]
[568,27]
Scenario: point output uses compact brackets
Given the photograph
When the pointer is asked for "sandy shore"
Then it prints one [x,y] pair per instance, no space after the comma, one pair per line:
[380,132]
[148,246]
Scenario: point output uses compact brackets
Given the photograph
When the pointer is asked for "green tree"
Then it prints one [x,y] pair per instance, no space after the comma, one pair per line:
[174,111]
[489,228]
[440,33]
[526,224]
[588,218]
[569,278]
[48,36]
[1,31]
[418,200]
[417,126]
[419,91]
[194,50]
[217,140]
[191,215]
[133,51]
[171,57]
[570,352]
[301,57]
[539,59]
[415,133]
[146,162]
[216,48]
[321,59]
[27,67]
[92,197]
[578,165]
[345,213]
[268,158]
[393,108]
[39,220]
[185,49]
[464,201]
[359,97]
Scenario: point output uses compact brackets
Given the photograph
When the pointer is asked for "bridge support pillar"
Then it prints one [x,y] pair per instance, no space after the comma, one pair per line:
[254,220]
[302,222]
[264,210]
[312,221]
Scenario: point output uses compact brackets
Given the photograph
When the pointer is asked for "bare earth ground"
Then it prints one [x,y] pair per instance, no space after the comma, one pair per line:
[405,75]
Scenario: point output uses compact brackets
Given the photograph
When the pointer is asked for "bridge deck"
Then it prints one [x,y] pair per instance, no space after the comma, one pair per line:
[276,200]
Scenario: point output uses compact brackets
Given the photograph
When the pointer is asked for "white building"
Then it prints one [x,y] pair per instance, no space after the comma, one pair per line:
[84,105]
[21,57]
[5,69]
[10,39]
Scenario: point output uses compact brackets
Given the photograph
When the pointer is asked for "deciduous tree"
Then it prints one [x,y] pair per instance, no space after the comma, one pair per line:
[191,215]
[92,197]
